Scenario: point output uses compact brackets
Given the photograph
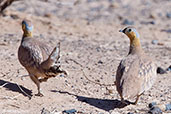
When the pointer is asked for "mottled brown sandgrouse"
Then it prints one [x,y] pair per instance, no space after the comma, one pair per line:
[39,59]
[136,73]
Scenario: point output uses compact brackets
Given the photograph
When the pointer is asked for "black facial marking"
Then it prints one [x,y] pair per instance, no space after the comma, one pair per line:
[129,30]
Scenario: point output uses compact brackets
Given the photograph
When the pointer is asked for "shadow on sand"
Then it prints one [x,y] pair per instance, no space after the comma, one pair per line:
[14,87]
[105,104]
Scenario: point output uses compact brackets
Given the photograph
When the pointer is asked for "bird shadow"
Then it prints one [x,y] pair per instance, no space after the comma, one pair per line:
[15,88]
[104,104]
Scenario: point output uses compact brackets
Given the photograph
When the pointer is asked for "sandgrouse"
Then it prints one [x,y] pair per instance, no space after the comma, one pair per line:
[136,73]
[38,58]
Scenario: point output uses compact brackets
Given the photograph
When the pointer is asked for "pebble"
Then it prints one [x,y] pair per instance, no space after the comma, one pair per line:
[130,113]
[100,62]
[155,110]
[45,111]
[168,106]
[14,16]
[160,70]
[166,30]
[61,75]
[152,104]
[168,15]
[169,68]
[71,111]
[128,22]
[149,22]
[154,42]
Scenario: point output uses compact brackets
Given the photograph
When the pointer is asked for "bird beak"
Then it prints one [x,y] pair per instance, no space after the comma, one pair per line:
[123,31]
[120,30]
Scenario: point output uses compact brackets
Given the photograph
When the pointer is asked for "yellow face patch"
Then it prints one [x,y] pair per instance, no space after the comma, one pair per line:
[131,35]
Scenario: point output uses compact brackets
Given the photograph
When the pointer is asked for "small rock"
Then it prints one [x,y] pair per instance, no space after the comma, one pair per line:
[168,15]
[149,22]
[130,113]
[62,75]
[153,16]
[155,110]
[160,70]
[152,22]
[161,44]
[154,42]
[100,62]
[14,16]
[168,30]
[101,113]
[114,5]
[45,111]
[152,104]
[169,68]
[168,107]
[48,15]
[71,111]
[128,22]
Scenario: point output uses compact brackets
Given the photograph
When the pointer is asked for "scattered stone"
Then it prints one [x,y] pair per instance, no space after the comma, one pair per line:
[14,16]
[152,104]
[45,111]
[168,15]
[149,22]
[167,31]
[130,113]
[169,68]
[154,42]
[62,75]
[161,44]
[155,110]
[114,5]
[71,111]
[152,22]
[157,107]
[128,22]
[168,107]
[100,62]
[152,16]
[160,70]
[48,15]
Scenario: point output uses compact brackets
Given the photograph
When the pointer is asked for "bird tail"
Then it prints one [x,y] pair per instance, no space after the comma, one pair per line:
[53,59]
[52,65]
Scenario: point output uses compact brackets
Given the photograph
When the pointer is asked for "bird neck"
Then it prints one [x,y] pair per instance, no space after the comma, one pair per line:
[27,34]
[135,46]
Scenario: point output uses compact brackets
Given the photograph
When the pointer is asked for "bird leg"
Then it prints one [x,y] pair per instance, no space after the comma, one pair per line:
[37,82]
[124,102]
[136,101]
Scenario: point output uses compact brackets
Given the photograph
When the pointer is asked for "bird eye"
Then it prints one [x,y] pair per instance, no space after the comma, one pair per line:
[129,30]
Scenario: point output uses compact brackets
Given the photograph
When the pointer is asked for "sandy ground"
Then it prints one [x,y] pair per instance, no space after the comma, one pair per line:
[88,32]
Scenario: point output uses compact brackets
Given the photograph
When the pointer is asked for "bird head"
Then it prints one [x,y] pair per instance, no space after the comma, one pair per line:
[132,34]
[27,27]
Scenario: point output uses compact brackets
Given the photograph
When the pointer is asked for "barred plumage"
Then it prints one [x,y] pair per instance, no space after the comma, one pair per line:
[39,59]
[136,72]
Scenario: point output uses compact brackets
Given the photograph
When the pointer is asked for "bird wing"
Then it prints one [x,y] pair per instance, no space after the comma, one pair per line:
[31,52]
[147,72]
[123,79]
[135,75]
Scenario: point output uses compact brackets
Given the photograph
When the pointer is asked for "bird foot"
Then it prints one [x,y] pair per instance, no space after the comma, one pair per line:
[39,94]
[65,72]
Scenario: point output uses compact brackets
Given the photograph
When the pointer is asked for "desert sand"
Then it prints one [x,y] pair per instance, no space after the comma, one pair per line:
[88,33]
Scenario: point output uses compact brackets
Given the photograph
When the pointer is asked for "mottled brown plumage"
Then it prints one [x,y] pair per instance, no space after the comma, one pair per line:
[136,73]
[39,59]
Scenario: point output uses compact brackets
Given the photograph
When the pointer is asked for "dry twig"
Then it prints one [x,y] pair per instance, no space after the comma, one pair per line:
[5,3]
[82,69]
